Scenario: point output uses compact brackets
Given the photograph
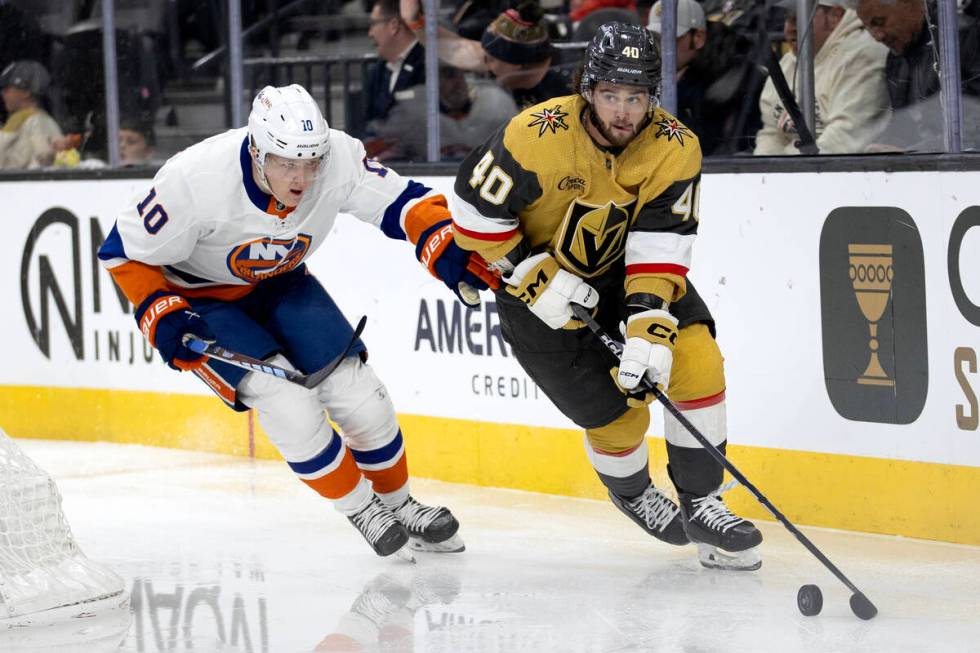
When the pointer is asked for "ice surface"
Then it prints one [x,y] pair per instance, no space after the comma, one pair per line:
[226,554]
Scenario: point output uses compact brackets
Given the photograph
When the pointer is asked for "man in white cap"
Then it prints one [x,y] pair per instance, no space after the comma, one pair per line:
[849,83]
[691,30]
[711,79]
[25,139]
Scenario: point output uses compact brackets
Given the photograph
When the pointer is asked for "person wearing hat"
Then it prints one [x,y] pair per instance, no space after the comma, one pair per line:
[712,78]
[25,139]
[518,55]
[849,83]
[691,30]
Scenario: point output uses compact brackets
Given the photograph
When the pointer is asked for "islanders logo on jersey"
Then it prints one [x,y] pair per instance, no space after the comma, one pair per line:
[267,257]
[593,237]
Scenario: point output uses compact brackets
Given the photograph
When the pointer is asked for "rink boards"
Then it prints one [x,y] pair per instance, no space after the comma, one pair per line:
[840,429]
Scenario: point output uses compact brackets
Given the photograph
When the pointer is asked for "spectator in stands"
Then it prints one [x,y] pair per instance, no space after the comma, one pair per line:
[518,55]
[911,33]
[712,80]
[25,140]
[468,113]
[20,38]
[401,67]
[849,84]
[579,9]
[588,15]
[137,141]
[473,16]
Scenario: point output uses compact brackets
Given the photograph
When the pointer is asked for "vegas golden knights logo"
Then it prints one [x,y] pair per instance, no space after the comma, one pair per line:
[593,237]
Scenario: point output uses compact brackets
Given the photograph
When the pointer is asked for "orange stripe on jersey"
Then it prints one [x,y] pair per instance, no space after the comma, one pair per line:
[340,482]
[138,280]
[390,479]
[703,402]
[425,213]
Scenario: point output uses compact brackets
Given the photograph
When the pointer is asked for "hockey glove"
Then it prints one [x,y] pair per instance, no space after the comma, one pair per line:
[465,273]
[649,352]
[164,318]
[548,290]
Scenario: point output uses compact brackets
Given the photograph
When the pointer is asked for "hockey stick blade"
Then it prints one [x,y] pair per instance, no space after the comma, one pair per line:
[217,352]
[865,609]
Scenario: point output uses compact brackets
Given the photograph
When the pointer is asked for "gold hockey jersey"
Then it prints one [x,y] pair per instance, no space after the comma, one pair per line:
[542,178]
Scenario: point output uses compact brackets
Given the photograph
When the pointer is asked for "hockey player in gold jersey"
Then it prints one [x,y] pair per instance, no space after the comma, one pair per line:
[593,199]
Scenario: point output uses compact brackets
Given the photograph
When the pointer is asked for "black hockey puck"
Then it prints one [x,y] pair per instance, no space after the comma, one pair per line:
[861,606]
[810,600]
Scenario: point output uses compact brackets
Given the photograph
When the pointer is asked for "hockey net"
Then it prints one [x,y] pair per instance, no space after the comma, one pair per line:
[41,566]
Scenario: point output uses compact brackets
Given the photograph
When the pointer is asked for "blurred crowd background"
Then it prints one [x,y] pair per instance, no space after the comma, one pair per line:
[877,71]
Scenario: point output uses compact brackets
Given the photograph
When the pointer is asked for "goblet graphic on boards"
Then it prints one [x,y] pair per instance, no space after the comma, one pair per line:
[871,274]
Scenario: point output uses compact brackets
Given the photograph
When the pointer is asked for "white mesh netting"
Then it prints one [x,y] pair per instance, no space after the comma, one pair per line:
[41,566]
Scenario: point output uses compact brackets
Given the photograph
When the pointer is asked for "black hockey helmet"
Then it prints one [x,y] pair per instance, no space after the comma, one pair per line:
[622,54]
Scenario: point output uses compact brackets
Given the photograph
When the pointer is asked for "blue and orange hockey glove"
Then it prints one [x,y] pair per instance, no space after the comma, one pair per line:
[164,318]
[465,273]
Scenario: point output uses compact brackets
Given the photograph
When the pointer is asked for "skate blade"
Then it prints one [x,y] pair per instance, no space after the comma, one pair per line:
[714,558]
[453,545]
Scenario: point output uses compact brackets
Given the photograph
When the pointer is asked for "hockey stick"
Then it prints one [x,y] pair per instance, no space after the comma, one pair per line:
[860,604]
[212,350]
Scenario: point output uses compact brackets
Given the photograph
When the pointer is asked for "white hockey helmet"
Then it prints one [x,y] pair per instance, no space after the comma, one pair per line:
[286,121]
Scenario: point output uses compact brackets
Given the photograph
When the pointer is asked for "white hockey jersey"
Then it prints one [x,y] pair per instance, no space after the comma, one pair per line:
[205,228]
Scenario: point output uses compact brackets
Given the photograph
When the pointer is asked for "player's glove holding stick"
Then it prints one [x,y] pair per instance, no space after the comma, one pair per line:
[165,318]
[465,273]
[548,290]
[649,349]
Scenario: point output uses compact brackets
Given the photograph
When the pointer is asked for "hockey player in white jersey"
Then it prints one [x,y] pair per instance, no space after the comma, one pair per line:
[215,247]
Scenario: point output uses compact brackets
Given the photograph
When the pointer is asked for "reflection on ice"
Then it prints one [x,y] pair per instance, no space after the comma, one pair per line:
[224,554]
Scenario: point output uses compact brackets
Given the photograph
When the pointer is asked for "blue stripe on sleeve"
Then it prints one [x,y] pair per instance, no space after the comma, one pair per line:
[391,223]
[112,247]
[384,454]
[319,461]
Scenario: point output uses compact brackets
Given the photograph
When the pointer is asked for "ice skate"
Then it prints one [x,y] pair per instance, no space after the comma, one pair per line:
[655,513]
[725,540]
[430,528]
[377,523]
[380,598]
